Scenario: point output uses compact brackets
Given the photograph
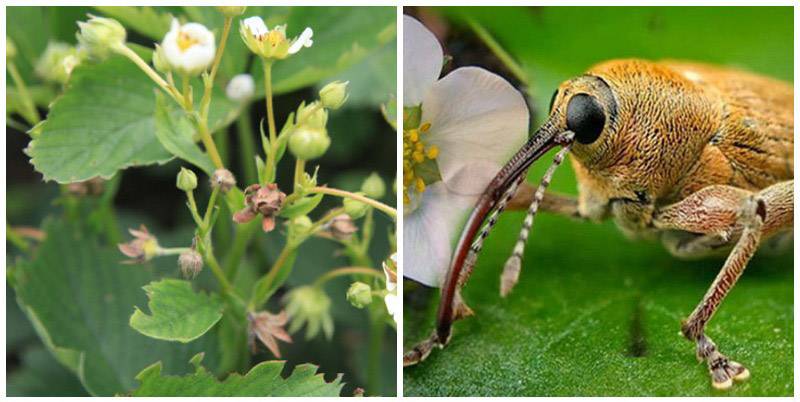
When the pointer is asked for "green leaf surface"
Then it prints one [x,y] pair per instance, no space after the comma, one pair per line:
[301,207]
[104,122]
[79,296]
[174,131]
[596,314]
[178,313]
[263,380]
[41,375]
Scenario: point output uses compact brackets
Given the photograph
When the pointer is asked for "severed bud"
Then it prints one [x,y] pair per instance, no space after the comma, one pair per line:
[191,263]
[223,179]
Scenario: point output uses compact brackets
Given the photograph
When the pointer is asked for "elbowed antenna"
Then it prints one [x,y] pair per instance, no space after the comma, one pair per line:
[547,137]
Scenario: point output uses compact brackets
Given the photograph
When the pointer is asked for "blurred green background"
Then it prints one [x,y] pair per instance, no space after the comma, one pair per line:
[595,314]
[362,142]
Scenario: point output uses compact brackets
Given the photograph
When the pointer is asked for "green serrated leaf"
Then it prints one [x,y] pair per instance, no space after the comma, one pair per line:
[145,20]
[175,132]
[79,296]
[102,123]
[301,207]
[263,380]
[178,313]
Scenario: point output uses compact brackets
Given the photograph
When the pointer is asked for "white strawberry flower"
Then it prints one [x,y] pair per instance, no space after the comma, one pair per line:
[272,44]
[459,131]
[391,300]
[240,88]
[189,49]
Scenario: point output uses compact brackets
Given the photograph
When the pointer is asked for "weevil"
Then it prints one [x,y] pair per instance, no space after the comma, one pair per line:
[697,156]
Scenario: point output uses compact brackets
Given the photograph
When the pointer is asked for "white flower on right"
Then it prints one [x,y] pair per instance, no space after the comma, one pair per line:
[189,49]
[458,132]
[272,44]
[391,300]
[240,88]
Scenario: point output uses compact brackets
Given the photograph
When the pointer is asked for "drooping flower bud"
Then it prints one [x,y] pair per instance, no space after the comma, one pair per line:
[309,305]
[373,186]
[223,179]
[334,94]
[231,11]
[100,36]
[356,209]
[241,88]
[308,143]
[189,49]
[187,180]
[342,227]
[359,294]
[191,263]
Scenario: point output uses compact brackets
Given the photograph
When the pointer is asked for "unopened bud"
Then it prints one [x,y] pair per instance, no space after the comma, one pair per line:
[359,294]
[231,11]
[298,228]
[334,95]
[308,143]
[223,179]
[100,36]
[312,115]
[191,263]
[187,180]
[160,60]
[342,227]
[57,62]
[373,186]
[356,209]
[241,88]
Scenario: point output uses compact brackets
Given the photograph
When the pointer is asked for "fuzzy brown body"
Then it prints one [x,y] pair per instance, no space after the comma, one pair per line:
[681,127]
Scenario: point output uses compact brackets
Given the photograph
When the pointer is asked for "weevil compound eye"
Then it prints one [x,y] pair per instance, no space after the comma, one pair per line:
[585,118]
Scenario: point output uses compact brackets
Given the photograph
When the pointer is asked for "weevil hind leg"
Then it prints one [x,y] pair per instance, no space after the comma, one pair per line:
[732,211]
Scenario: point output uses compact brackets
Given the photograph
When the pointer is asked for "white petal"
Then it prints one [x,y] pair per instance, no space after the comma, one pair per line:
[422,61]
[392,306]
[256,26]
[240,88]
[431,231]
[303,41]
[478,120]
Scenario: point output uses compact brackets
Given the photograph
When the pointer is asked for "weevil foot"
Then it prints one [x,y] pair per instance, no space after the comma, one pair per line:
[421,351]
[460,309]
[723,371]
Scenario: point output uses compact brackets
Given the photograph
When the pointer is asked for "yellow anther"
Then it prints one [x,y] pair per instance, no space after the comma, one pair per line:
[185,41]
[432,152]
[419,185]
[413,136]
[425,127]
[419,157]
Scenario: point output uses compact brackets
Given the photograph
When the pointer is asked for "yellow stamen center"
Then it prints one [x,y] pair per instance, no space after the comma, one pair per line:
[415,153]
[185,41]
[275,37]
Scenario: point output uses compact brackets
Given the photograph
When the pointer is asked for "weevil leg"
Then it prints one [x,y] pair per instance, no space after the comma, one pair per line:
[712,213]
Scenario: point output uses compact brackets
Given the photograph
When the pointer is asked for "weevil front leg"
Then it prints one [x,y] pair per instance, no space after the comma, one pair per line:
[717,213]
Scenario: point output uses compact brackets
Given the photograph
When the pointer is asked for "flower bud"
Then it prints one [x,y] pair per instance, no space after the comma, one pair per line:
[334,94]
[57,62]
[312,115]
[231,11]
[187,180]
[355,209]
[241,88]
[160,61]
[359,294]
[99,36]
[308,143]
[11,50]
[373,186]
[342,227]
[191,263]
[189,49]
[223,179]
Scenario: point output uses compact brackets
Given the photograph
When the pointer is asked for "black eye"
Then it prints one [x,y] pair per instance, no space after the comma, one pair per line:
[552,101]
[585,117]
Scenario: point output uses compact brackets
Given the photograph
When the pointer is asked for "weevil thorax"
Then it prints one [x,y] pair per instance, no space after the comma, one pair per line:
[653,123]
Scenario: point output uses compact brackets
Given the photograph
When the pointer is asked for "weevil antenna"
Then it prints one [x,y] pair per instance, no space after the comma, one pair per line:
[513,265]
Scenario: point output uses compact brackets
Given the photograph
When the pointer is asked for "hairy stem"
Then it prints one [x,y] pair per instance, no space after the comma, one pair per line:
[358,197]
[269,167]
[247,147]
[347,271]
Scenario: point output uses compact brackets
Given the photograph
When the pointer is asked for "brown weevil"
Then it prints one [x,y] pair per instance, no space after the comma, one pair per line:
[698,156]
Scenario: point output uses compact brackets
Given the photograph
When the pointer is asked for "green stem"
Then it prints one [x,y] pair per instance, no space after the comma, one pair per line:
[241,240]
[210,208]
[260,293]
[172,250]
[30,113]
[132,56]
[209,84]
[208,143]
[358,197]
[299,169]
[188,102]
[247,147]
[16,239]
[347,271]
[376,325]
[227,288]
[269,167]
[193,208]
[498,51]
